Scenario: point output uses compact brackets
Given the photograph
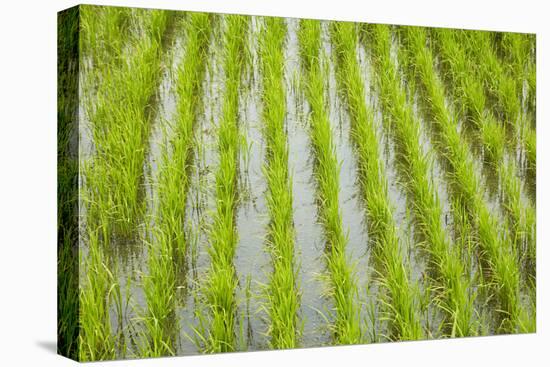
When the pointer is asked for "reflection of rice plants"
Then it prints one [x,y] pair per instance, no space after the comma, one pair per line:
[153,254]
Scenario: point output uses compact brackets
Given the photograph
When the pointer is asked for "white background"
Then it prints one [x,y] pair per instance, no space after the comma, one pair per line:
[28,181]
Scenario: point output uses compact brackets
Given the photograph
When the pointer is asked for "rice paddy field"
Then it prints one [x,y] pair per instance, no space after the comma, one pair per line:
[239,183]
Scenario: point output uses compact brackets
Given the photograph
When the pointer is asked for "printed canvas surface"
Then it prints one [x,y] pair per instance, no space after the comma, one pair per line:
[237,183]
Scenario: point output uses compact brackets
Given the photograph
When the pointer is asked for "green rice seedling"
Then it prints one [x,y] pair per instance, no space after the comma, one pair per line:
[346,326]
[500,257]
[96,339]
[515,50]
[530,144]
[402,308]
[532,89]
[283,297]
[105,31]
[498,84]
[68,302]
[119,118]
[491,134]
[518,51]
[110,184]
[452,286]
[159,290]
[522,217]
[67,184]
[168,242]
[221,279]
[173,180]
[502,88]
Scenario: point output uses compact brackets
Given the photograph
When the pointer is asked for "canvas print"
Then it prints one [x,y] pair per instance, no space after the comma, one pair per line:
[238,183]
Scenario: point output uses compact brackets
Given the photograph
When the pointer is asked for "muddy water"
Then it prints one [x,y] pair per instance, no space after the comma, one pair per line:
[252,262]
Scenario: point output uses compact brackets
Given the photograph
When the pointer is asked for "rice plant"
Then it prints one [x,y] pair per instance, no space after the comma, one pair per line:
[120,126]
[346,325]
[394,276]
[452,287]
[96,338]
[532,87]
[283,297]
[518,52]
[515,50]
[112,179]
[469,91]
[500,257]
[168,244]
[502,88]
[105,31]
[67,185]
[221,278]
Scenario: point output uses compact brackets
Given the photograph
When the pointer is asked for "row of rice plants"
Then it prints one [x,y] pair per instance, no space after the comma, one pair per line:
[67,183]
[518,63]
[105,31]
[532,78]
[120,124]
[346,326]
[98,287]
[502,88]
[221,280]
[517,53]
[400,301]
[450,282]
[499,256]
[468,89]
[168,244]
[282,293]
